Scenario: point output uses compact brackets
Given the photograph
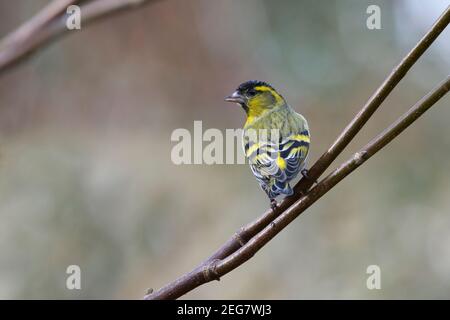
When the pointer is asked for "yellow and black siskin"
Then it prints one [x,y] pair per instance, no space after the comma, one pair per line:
[275,139]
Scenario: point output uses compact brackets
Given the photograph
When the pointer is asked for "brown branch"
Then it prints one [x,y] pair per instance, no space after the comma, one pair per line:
[217,268]
[247,233]
[257,242]
[43,17]
[50,23]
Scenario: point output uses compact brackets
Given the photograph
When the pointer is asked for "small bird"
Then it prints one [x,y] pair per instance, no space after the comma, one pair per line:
[275,138]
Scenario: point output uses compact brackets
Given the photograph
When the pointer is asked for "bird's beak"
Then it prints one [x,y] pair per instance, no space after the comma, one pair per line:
[236,97]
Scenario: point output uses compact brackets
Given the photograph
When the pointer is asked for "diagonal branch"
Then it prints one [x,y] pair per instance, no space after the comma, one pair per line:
[26,31]
[50,23]
[247,232]
[268,233]
[214,269]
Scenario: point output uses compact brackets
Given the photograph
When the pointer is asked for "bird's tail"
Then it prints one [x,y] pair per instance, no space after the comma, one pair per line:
[279,187]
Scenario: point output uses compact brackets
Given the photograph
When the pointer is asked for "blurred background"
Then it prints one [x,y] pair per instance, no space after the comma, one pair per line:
[86,176]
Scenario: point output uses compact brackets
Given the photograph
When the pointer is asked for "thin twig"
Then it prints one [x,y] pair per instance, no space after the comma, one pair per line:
[30,27]
[32,36]
[217,268]
[245,233]
[248,232]
[17,43]
[257,242]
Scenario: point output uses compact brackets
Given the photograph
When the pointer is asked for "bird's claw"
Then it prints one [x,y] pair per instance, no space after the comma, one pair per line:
[273,204]
[305,174]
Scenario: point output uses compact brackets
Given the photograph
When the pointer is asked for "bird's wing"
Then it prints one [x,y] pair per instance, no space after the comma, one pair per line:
[278,161]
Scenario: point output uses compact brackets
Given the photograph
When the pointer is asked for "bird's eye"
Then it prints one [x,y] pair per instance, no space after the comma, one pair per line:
[251,92]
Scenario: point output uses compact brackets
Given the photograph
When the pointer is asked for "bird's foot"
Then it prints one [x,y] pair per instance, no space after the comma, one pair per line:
[273,204]
[305,174]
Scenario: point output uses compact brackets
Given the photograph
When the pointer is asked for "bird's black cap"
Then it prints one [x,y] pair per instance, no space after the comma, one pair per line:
[244,87]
